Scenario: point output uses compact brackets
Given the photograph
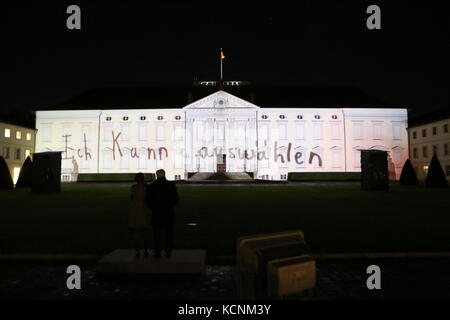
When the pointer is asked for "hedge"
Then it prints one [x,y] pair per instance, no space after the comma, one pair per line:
[111,177]
[324,176]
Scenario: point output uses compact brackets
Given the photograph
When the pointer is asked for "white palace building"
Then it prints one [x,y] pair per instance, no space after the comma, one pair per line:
[220,133]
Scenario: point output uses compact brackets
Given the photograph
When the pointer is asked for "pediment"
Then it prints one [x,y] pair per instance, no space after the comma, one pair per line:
[221,100]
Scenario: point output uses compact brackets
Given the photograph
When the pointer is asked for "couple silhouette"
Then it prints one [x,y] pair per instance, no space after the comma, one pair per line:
[153,205]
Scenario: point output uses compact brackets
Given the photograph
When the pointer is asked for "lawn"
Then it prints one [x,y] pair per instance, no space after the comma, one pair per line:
[335,218]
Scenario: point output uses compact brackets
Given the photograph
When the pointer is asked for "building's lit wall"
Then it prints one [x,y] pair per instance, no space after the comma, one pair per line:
[427,139]
[270,142]
[16,143]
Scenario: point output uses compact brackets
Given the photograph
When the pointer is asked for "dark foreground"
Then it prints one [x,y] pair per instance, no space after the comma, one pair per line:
[336,279]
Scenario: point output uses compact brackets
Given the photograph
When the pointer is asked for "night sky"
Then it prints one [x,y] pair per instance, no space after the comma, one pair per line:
[130,43]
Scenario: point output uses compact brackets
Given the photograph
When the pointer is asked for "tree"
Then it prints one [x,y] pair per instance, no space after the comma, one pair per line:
[408,176]
[6,182]
[25,175]
[436,177]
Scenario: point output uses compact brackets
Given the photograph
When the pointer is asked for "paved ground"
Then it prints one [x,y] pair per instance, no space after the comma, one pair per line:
[336,279]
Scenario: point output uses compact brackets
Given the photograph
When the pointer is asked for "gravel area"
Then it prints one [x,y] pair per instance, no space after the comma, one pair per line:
[336,279]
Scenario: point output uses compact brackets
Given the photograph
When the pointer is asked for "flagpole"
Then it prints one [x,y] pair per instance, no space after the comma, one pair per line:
[221,65]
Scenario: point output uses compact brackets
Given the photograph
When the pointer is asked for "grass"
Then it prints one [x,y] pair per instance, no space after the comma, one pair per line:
[335,218]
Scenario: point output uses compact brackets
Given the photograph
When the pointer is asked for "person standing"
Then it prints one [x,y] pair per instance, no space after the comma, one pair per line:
[138,215]
[162,197]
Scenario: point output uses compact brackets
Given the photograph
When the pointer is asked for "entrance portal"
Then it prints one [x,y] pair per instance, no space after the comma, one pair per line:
[221,163]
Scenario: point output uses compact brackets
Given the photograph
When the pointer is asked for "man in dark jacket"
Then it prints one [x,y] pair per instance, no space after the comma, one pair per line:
[162,197]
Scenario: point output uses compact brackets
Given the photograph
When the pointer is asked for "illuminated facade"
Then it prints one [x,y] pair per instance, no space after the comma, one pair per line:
[221,133]
[16,144]
[426,139]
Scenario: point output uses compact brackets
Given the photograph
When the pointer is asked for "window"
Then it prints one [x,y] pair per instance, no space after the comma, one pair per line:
[317,117]
[377,129]
[446,149]
[18,135]
[336,158]
[357,130]
[178,118]
[445,128]
[143,118]
[107,132]
[447,170]
[179,132]
[240,131]
[299,117]
[125,159]
[414,134]
[178,159]
[142,160]
[434,131]
[160,118]
[398,157]
[317,130]
[282,131]
[7,133]
[415,153]
[107,159]
[18,154]
[264,117]
[27,153]
[6,152]
[300,130]
[199,131]
[177,177]
[317,157]
[424,152]
[264,131]
[47,132]
[85,133]
[283,177]
[300,157]
[357,158]
[220,131]
[125,130]
[424,133]
[263,157]
[108,118]
[282,116]
[160,132]
[160,156]
[334,117]
[436,149]
[28,137]
[281,157]
[125,118]
[335,130]
[86,160]
[66,133]
[396,131]
[142,132]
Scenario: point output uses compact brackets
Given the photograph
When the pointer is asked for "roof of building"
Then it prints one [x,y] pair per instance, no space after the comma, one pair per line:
[180,96]
[419,120]
[17,122]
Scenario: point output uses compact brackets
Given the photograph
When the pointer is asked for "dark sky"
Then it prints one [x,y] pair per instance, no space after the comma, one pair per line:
[131,43]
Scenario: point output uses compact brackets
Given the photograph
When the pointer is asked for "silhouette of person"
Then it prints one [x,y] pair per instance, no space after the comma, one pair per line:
[162,197]
[138,215]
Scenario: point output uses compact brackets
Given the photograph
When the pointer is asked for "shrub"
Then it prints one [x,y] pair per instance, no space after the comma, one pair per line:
[6,182]
[408,176]
[436,177]
[25,176]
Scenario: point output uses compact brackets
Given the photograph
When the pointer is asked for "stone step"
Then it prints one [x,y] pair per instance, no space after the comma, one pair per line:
[205,176]
[124,261]
[238,176]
